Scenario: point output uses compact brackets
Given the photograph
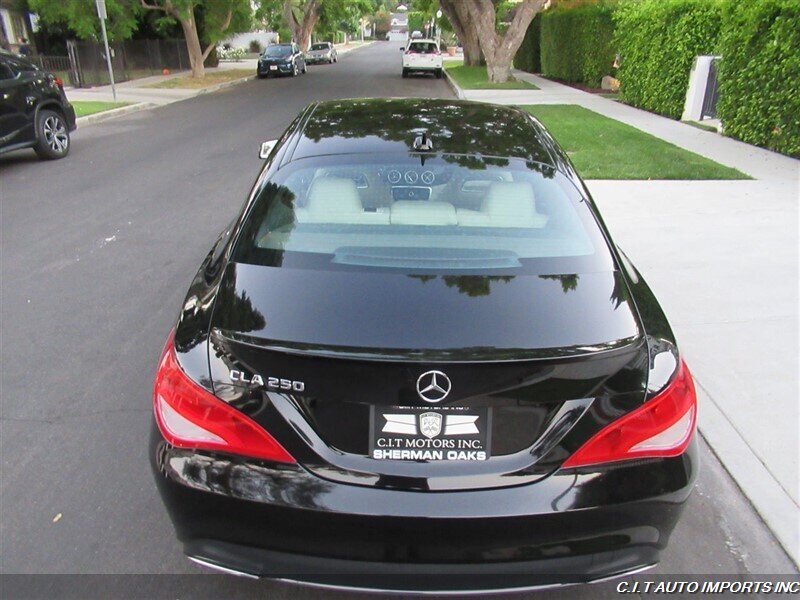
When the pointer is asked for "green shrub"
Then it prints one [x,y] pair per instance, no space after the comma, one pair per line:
[528,57]
[577,43]
[759,99]
[657,42]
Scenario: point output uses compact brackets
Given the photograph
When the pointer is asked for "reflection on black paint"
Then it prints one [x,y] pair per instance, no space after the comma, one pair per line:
[568,282]
[246,481]
[490,132]
[240,315]
[471,285]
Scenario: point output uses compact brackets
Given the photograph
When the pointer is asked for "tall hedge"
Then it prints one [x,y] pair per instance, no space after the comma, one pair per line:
[759,99]
[577,43]
[528,57]
[657,41]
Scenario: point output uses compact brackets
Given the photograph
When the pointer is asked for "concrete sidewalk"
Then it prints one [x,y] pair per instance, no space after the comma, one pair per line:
[137,91]
[722,257]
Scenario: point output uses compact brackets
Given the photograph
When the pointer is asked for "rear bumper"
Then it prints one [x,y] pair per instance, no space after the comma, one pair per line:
[283,522]
[69,115]
[414,577]
[422,67]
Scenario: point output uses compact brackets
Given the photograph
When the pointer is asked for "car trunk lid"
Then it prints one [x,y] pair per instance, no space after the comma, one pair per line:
[342,358]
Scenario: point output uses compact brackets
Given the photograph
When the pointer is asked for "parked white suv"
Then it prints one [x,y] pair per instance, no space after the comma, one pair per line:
[422,56]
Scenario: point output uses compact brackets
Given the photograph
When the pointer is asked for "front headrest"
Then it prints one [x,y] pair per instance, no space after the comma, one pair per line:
[333,195]
[511,199]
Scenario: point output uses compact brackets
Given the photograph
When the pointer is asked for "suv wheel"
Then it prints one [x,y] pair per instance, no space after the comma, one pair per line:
[52,135]
[405,72]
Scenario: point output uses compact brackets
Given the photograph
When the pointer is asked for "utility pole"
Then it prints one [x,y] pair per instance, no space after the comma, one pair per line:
[101,12]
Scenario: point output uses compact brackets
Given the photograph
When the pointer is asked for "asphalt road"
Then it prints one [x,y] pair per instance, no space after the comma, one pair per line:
[97,252]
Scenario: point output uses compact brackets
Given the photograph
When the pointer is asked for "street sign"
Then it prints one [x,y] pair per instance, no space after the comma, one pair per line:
[101,9]
[101,12]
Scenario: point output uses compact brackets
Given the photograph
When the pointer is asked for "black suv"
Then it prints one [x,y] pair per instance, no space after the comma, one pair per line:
[34,111]
[281,59]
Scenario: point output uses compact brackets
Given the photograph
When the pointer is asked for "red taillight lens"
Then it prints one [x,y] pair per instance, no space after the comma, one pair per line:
[191,417]
[663,426]
[59,82]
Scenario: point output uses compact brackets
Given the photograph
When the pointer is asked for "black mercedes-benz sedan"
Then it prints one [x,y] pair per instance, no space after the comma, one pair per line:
[416,361]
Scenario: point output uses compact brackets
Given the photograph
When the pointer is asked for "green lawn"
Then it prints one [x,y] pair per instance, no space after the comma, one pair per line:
[89,107]
[604,148]
[475,78]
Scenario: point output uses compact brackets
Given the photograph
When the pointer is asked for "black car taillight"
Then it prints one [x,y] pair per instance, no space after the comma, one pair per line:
[189,416]
[662,427]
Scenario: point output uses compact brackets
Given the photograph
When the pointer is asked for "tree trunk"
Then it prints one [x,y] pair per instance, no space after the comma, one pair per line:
[499,50]
[472,49]
[193,47]
[498,72]
[304,39]
[464,29]
[302,30]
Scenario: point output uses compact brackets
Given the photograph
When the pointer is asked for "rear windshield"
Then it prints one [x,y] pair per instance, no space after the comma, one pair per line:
[319,46]
[423,47]
[451,213]
[273,51]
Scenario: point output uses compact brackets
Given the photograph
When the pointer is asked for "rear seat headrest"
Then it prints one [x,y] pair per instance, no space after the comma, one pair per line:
[409,212]
[336,200]
[507,204]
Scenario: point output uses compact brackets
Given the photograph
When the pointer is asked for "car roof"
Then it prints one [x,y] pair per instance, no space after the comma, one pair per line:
[380,125]
[17,57]
[418,40]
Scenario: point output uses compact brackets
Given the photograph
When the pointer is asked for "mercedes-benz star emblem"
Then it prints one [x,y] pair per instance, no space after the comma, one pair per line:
[433,386]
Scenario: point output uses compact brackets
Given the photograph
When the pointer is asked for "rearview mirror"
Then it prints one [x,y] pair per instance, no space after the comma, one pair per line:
[266,148]
[402,48]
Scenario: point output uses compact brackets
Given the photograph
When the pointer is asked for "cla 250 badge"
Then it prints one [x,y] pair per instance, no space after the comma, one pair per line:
[274,383]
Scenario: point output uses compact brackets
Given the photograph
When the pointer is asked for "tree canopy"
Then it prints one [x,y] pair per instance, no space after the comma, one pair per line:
[220,18]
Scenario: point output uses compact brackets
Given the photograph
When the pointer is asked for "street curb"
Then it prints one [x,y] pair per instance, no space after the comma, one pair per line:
[219,86]
[453,85]
[760,488]
[364,45]
[114,112]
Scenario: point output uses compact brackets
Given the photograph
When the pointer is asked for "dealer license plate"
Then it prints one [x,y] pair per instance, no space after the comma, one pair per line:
[429,434]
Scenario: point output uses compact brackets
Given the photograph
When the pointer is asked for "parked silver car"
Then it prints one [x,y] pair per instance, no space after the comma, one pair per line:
[321,52]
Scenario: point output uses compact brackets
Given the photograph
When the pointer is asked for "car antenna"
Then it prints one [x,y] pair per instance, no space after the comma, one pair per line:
[423,142]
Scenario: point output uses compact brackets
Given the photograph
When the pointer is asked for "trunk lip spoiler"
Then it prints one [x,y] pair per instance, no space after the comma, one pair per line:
[454,356]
